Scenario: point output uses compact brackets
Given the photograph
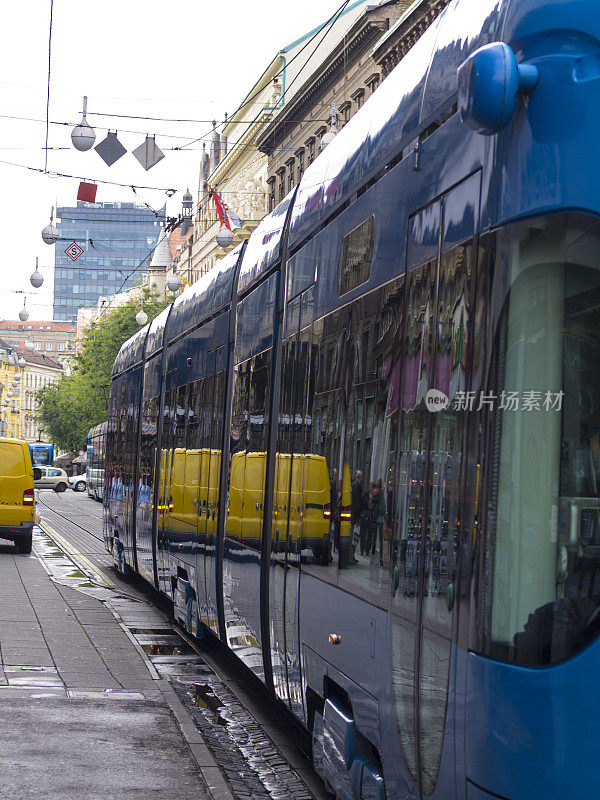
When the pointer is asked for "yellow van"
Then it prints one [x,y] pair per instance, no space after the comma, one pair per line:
[17,500]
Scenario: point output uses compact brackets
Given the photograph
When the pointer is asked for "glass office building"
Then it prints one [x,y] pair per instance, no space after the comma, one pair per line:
[117,240]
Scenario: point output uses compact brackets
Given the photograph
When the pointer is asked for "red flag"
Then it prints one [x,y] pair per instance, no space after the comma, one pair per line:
[221,209]
[87,192]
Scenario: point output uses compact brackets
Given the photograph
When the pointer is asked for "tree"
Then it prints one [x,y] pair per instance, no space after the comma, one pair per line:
[77,402]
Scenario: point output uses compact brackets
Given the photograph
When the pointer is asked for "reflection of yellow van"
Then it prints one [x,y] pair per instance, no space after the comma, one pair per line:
[194,491]
[17,501]
[300,500]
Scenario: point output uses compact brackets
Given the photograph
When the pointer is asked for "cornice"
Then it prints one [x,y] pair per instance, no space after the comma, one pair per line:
[234,156]
[345,55]
[407,31]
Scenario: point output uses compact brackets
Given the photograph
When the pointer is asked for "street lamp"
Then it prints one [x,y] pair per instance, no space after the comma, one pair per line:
[50,232]
[83,135]
[24,312]
[36,279]
[141,317]
[173,282]
[224,237]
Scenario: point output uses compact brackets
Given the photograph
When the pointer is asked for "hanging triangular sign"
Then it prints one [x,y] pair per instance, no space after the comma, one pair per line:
[110,149]
[148,153]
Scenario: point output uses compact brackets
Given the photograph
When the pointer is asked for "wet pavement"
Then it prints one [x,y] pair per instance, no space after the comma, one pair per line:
[101,697]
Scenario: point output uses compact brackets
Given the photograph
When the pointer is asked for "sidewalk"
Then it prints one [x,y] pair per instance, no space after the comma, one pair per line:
[82,716]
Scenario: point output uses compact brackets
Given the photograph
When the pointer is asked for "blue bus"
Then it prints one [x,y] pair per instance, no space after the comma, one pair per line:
[421,317]
[96,451]
[42,453]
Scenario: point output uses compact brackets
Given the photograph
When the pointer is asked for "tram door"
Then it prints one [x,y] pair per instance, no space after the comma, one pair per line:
[164,458]
[288,501]
[208,485]
[431,454]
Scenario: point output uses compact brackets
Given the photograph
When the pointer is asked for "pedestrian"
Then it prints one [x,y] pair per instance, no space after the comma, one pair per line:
[366,523]
[378,519]
[356,509]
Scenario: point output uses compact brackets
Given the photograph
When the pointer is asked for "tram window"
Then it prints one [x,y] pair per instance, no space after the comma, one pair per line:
[353,404]
[237,450]
[180,417]
[148,445]
[356,256]
[194,418]
[539,569]
[257,433]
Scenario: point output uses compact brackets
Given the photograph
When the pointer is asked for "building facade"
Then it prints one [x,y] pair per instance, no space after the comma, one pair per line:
[338,87]
[54,339]
[39,371]
[117,240]
[235,166]
[10,407]
[395,44]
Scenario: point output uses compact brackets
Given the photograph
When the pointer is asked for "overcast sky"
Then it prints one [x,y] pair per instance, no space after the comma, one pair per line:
[184,59]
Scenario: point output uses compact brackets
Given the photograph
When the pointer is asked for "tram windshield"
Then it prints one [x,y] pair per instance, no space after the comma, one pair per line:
[541,592]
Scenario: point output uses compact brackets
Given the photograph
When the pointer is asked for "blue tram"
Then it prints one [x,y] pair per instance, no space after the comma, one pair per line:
[364,450]
[42,453]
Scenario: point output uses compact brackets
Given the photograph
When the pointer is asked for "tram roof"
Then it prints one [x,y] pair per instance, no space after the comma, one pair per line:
[131,351]
[206,296]
[421,88]
[156,332]
[264,246]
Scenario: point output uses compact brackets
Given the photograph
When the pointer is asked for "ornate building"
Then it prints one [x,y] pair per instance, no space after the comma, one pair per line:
[10,421]
[54,339]
[236,166]
[394,45]
[39,371]
[339,83]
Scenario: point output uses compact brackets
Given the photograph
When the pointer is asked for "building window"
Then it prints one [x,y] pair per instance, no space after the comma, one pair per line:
[310,149]
[320,133]
[344,111]
[300,159]
[281,184]
[372,82]
[291,173]
[48,345]
[61,346]
[359,98]
[271,185]
[38,345]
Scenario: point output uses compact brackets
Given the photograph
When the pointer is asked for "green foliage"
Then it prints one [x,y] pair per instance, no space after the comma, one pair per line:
[70,407]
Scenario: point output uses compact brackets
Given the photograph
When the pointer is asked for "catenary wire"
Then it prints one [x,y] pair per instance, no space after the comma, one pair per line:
[48,93]
[331,20]
[330,23]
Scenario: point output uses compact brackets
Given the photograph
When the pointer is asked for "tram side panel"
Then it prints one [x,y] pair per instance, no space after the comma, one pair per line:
[243,566]
[190,472]
[147,466]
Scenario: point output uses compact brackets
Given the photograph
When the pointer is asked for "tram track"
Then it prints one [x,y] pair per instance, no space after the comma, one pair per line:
[68,519]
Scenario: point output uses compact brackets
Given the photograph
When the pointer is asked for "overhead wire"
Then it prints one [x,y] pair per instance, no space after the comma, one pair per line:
[48,92]
[93,180]
[147,256]
[330,22]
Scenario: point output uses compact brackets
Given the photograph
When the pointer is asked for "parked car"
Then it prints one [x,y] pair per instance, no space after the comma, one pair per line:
[52,478]
[77,483]
[17,501]
[95,483]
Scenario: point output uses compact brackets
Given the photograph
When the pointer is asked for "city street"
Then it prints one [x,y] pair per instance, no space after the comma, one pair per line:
[101,698]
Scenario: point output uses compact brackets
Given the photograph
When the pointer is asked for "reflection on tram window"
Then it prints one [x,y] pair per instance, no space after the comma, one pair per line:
[538,588]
